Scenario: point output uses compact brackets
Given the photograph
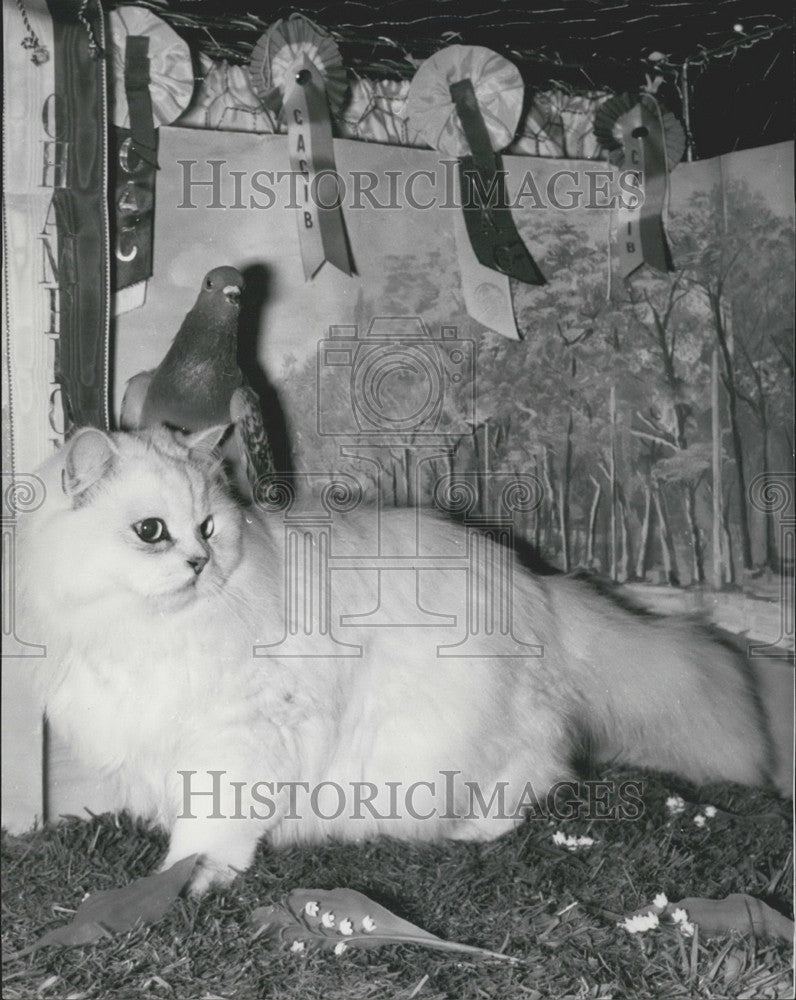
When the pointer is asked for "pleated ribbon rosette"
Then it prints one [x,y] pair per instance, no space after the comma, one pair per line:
[645,142]
[466,102]
[296,69]
[152,65]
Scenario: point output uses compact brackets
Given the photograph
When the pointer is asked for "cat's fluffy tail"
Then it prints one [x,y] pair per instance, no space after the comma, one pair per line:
[674,695]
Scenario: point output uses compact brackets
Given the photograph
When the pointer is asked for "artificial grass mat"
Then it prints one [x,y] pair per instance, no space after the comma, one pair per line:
[557,911]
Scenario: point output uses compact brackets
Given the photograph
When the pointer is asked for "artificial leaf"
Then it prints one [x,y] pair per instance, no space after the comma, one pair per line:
[331,918]
[736,912]
[114,911]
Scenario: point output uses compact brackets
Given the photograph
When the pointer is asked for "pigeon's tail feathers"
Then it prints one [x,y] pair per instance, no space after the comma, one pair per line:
[251,436]
[133,402]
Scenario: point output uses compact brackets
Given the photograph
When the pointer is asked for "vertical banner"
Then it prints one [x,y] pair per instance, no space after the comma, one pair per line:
[80,210]
[33,424]
[33,171]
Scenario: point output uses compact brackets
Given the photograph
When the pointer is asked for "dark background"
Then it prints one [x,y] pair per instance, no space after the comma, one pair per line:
[740,81]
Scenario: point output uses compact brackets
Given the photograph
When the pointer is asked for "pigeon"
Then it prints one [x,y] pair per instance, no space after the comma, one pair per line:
[199,385]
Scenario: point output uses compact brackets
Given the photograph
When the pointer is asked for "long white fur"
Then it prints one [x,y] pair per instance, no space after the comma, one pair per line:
[150,669]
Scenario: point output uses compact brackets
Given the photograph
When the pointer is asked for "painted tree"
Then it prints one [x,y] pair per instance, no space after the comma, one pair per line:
[727,240]
[676,344]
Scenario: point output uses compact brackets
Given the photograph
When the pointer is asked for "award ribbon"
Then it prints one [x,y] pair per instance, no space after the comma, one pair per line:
[641,237]
[646,141]
[321,229]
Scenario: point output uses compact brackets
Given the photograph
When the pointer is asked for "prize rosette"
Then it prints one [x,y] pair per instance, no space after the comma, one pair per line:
[466,101]
[149,62]
[498,90]
[647,142]
[296,70]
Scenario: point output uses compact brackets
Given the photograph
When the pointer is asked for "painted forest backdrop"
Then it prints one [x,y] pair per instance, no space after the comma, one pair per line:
[608,393]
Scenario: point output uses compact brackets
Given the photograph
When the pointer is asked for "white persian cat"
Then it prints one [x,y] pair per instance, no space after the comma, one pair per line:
[151,588]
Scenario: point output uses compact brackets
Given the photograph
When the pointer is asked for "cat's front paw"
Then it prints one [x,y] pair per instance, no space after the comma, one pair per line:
[207,874]
[210,875]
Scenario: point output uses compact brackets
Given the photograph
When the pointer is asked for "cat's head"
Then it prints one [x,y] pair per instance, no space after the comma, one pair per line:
[147,515]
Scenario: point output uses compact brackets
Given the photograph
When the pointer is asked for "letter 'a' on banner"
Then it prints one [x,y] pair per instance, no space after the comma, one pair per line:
[647,142]
[296,69]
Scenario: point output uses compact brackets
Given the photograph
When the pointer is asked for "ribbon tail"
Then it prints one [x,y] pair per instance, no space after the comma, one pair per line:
[486,293]
[321,228]
[139,101]
[490,224]
[628,240]
[655,246]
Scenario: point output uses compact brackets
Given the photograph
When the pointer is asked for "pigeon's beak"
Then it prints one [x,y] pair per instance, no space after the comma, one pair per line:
[232,293]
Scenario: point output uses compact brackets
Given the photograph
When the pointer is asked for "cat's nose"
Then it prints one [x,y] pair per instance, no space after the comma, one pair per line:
[198,563]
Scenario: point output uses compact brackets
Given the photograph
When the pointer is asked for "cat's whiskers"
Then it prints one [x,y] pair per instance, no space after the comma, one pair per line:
[236,604]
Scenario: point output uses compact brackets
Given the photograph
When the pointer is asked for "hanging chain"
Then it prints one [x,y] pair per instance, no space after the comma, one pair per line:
[39,54]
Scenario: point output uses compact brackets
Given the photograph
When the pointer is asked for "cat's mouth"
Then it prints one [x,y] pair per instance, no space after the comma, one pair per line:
[173,600]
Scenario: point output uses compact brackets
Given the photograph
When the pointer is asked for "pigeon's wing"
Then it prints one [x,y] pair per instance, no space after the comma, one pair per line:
[133,401]
[250,434]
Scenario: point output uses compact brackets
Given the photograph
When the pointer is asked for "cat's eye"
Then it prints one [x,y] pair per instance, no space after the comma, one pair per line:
[151,530]
[207,527]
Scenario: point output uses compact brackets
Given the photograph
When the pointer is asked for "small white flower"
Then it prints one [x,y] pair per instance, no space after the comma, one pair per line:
[660,902]
[297,946]
[675,804]
[368,924]
[710,811]
[699,820]
[345,927]
[571,842]
[311,908]
[680,917]
[640,923]
[327,919]
[340,947]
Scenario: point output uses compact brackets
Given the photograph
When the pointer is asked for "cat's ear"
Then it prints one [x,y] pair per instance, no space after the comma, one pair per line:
[209,440]
[90,454]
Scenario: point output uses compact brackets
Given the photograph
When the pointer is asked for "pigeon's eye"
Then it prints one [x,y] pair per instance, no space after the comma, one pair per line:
[209,283]
[207,527]
[151,530]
